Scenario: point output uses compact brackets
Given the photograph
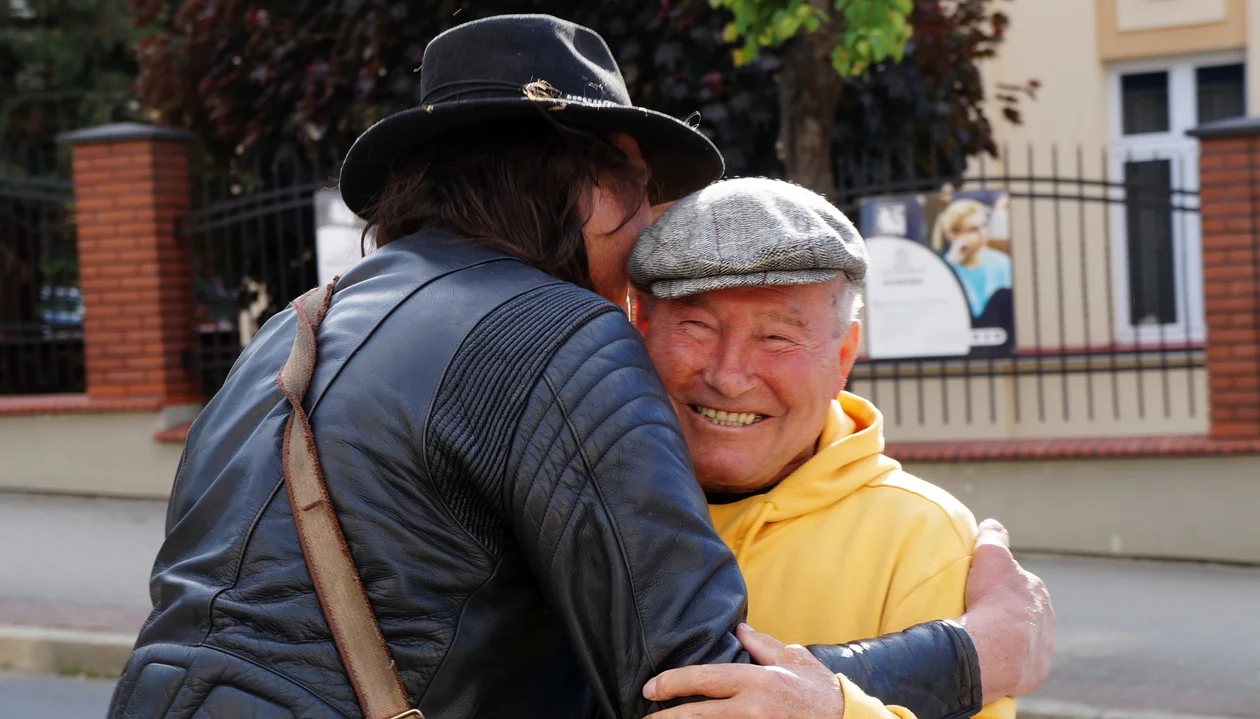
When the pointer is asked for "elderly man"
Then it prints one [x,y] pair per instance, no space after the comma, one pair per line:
[753,294]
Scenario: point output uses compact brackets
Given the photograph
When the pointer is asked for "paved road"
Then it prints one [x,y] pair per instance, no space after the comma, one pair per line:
[32,697]
[1148,636]
[77,563]
[1154,636]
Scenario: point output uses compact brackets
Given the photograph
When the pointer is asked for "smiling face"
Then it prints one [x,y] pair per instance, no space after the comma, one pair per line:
[751,373]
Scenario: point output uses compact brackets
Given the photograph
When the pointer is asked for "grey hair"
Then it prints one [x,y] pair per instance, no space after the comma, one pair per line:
[849,305]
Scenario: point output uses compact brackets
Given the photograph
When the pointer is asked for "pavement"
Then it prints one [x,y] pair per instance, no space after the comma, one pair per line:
[24,696]
[1136,639]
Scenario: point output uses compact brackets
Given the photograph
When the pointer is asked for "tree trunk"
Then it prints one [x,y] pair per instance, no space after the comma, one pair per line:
[809,89]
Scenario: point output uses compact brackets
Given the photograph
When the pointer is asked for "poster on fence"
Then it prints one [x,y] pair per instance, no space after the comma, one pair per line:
[939,282]
[337,232]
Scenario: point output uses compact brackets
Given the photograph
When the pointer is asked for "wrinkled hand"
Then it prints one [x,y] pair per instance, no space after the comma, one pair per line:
[1009,618]
[789,684]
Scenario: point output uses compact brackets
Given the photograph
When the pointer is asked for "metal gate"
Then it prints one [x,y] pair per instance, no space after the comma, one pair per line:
[41,313]
[1107,300]
[253,251]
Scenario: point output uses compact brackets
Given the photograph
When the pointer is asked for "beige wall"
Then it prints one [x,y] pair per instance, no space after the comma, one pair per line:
[1135,15]
[1131,29]
[1252,23]
[1067,45]
[95,454]
[1187,508]
[1051,41]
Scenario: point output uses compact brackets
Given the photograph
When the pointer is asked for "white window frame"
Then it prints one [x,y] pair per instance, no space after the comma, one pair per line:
[1183,152]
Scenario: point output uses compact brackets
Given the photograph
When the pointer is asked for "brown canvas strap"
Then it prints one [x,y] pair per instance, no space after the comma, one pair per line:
[337,584]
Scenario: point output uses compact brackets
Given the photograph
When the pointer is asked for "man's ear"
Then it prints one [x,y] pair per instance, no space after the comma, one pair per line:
[850,345]
[639,310]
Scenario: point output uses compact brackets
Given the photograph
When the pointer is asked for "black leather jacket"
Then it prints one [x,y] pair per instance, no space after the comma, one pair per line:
[518,500]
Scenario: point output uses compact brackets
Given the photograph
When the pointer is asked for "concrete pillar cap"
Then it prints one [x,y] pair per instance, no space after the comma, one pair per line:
[122,132]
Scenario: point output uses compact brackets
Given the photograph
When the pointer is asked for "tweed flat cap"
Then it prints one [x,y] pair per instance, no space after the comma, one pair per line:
[746,232]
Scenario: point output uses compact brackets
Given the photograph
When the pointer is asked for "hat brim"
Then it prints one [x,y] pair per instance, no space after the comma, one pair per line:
[681,158]
[685,287]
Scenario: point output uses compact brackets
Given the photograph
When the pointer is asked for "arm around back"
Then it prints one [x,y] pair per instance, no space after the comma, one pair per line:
[604,503]
[602,499]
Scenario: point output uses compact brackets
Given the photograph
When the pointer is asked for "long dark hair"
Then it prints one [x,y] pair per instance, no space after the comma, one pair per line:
[516,187]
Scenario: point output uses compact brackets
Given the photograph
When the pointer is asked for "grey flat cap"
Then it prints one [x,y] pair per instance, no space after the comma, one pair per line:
[745,232]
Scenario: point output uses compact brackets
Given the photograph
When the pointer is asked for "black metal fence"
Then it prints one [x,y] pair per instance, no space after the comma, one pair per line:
[1104,294]
[41,313]
[252,235]
[1103,301]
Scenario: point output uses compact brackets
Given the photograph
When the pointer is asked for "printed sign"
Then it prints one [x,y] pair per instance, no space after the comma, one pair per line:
[939,282]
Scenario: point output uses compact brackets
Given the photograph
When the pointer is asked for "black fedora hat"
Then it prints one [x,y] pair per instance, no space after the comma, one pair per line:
[507,67]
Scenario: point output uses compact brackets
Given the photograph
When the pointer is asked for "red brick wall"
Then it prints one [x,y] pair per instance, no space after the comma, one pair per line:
[136,279]
[1230,201]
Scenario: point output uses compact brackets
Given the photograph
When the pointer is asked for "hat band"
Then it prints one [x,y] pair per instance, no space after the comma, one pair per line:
[448,91]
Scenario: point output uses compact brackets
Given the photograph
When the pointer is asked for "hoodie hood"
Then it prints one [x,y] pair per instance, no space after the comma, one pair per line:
[849,456]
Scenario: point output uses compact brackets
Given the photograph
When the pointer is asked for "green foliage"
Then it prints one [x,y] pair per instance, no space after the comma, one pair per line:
[64,64]
[867,31]
[265,79]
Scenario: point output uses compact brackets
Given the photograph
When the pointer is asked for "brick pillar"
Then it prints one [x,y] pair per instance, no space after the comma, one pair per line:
[1229,181]
[131,184]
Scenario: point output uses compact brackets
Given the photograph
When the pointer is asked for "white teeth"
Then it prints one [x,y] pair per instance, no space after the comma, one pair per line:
[723,418]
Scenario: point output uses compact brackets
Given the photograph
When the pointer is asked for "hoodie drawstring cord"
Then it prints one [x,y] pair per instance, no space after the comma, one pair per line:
[745,543]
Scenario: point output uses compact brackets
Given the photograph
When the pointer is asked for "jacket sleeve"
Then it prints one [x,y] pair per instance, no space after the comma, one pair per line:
[604,504]
[606,508]
[930,669]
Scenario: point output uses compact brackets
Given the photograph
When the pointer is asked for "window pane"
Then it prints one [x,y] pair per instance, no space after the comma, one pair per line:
[1144,102]
[1148,209]
[1221,94]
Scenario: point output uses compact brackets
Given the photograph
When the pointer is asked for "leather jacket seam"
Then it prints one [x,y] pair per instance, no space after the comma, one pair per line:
[600,311]
[386,315]
[424,457]
[590,476]
[424,451]
[271,670]
[455,632]
[428,412]
[179,472]
[249,534]
[242,546]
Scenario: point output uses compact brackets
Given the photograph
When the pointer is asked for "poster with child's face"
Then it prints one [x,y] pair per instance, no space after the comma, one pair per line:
[940,280]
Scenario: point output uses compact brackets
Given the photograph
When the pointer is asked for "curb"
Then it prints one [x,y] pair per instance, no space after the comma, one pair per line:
[42,650]
[1049,709]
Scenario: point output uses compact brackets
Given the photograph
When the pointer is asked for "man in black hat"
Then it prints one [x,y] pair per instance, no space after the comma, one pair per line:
[506,470]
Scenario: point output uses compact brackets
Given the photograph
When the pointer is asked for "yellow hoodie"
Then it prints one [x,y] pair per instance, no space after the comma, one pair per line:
[850,547]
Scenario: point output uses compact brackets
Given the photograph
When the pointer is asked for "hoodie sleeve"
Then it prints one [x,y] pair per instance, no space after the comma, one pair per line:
[937,593]
[860,705]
